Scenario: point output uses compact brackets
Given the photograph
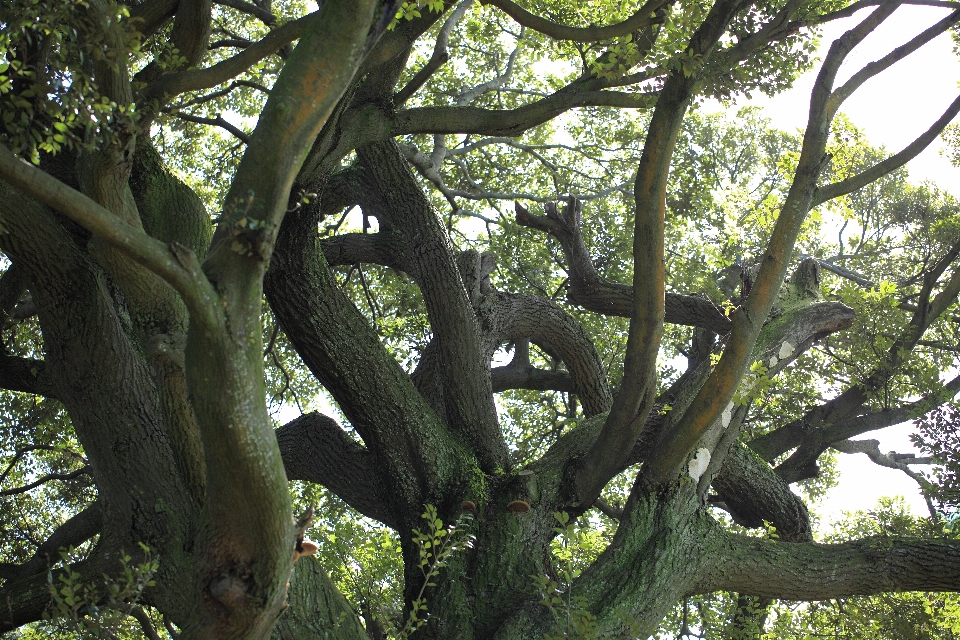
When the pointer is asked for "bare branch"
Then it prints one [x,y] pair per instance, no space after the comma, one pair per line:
[241,135]
[25,374]
[529,377]
[439,57]
[45,479]
[470,95]
[847,88]
[513,122]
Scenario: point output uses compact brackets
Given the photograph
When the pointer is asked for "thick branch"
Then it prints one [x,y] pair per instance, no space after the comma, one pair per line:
[336,342]
[315,448]
[817,572]
[513,122]
[753,494]
[152,14]
[174,84]
[464,372]
[71,533]
[635,397]
[382,248]
[512,317]
[590,291]
[174,264]
[519,377]
[25,374]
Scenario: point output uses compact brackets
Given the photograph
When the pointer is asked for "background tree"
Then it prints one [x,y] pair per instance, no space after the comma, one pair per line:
[524,369]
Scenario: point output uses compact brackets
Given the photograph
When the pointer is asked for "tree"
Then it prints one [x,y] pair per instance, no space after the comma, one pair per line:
[142,384]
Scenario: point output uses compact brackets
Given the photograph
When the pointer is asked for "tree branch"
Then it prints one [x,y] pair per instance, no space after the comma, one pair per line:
[670,453]
[808,571]
[839,95]
[831,421]
[644,17]
[71,533]
[152,14]
[45,479]
[464,372]
[238,133]
[335,341]
[513,122]
[892,163]
[528,377]
[176,265]
[169,86]
[439,57]
[513,316]
[590,291]
[315,448]
[26,375]
[753,494]
[249,8]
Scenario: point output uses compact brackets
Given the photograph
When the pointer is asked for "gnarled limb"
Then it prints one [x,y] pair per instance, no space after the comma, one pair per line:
[382,248]
[807,571]
[463,372]
[753,493]
[315,448]
[510,317]
[590,291]
[335,342]
[152,14]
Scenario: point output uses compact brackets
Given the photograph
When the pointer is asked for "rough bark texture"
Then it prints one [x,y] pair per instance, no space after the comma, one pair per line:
[152,341]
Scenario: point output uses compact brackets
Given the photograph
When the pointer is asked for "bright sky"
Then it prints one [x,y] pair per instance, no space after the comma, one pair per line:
[893,109]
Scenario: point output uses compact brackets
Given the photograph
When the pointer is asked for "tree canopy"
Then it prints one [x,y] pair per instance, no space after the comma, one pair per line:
[481,298]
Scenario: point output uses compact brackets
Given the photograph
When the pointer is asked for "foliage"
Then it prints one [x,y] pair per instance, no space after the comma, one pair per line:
[730,179]
[98,611]
[435,546]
